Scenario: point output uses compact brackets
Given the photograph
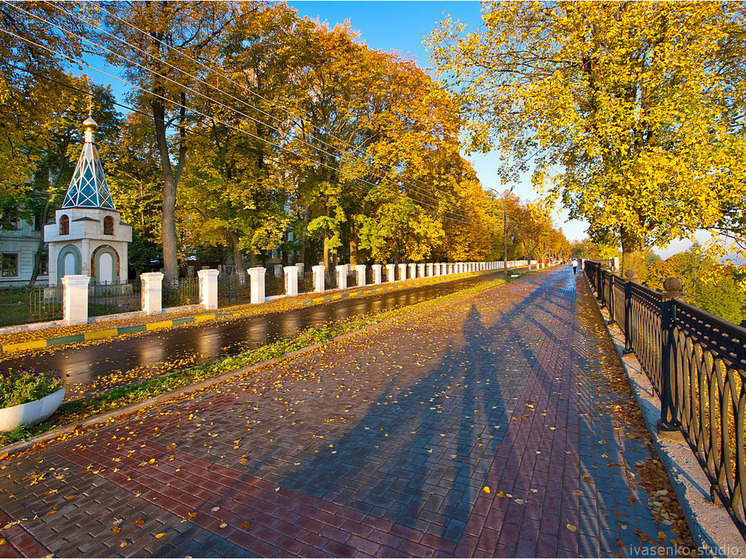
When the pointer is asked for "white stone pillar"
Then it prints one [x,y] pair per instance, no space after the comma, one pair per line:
[318,279]
[277,272]
[421,270]
[75,299]
[342,276]
[301,270]
[151,292]
[257,276]
[412,271]
[451,270]
[402,272]
[208,289]
[376,274]
[390,272]
[291,281]
[360,269]
[430,269]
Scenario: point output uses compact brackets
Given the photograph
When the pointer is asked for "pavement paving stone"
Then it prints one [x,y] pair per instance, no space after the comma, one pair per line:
[485,427]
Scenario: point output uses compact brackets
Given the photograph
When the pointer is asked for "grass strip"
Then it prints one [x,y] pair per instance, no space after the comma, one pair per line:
[119,397]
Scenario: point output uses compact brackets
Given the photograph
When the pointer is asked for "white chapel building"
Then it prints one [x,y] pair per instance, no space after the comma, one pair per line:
[88,236]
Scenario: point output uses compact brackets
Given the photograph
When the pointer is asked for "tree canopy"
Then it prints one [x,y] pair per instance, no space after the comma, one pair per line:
[630,113]
[251,129]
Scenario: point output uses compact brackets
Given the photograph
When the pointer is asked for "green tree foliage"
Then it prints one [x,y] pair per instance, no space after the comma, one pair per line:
[250,122]
[31,61]
[629,112]
[710,286]
[179,40]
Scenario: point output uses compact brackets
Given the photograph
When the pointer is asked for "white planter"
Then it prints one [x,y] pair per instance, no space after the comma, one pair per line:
[30,413]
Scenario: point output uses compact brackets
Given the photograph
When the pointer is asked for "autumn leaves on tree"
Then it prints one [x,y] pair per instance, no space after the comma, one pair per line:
[246,122]
[267,123]
[630,113]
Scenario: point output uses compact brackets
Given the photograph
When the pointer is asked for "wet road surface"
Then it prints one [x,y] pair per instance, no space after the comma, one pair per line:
[81,365]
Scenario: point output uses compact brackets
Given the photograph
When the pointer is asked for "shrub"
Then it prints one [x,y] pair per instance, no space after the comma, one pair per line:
[20,387]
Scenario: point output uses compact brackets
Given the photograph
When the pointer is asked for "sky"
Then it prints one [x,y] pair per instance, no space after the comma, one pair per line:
[401,26]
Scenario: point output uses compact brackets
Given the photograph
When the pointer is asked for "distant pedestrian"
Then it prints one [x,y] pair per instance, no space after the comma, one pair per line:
[574,265]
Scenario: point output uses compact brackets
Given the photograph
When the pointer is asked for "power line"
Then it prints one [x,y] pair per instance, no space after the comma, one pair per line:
[418,192]
[281,148]
[229,79]
[132,109]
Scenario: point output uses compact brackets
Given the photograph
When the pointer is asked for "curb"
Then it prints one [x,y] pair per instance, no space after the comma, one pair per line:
[114,415]
[149,326]
[711,526]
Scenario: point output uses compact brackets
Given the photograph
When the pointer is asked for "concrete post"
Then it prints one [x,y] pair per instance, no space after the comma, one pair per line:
[301,270]
[75,299]
[342,276]
[431,269]
[412,271]
[402,272]
[208,289]
[318,278]
[257,276]
[151,293]
[360,269]
[421,270]
[291,281]
[277,272]
[390,272]
[376,273]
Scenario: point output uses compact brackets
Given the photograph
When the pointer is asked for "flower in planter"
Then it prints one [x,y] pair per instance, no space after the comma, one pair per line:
[22,386]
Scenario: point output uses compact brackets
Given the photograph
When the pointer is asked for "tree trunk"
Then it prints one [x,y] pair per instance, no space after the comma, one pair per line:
[170,182]
[39,247]
[326,253]
[353,244]
[303,236]
[238,257]
[634,253]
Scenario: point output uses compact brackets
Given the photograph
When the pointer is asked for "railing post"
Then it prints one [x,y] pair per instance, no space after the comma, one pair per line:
[669,417]
[390,273]
[360,270]
[610,307]
[631,276]
[75,299]
[208,289]
[318,278]
[291,281]
[151,292]
[257,276]
[342,276]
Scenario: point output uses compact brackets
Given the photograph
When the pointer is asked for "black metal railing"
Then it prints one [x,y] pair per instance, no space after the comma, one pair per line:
[180,293]
[112,298]
[696,363]
[21,305]
[233,290]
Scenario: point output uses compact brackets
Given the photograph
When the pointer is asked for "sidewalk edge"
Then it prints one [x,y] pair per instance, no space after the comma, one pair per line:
[116,414]
[711,526]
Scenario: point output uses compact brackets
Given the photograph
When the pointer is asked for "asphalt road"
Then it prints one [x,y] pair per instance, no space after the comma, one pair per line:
[81,365]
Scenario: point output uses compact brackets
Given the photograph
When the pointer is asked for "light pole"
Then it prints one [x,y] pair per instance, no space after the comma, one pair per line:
[505,233]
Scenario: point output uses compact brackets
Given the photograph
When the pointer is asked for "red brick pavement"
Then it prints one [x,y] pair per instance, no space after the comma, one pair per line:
[356,459]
